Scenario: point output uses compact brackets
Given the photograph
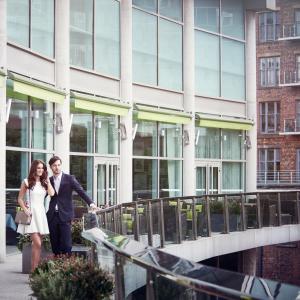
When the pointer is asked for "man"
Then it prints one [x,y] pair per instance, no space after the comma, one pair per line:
[61,210]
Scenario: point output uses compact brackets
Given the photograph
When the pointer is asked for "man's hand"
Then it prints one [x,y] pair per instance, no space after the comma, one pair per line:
[94,207]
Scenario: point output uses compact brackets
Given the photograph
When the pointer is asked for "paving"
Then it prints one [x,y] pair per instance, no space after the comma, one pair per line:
[13,284]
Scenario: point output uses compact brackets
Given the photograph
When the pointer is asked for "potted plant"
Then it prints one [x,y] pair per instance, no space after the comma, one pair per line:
[24,245]
[70,278]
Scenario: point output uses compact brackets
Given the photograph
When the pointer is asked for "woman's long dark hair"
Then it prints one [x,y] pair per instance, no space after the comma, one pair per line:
[32,174]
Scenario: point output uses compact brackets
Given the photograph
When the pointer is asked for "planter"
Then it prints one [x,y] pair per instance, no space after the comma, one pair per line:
[26,257]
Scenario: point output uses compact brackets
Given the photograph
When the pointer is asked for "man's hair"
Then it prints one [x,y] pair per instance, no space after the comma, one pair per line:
[53,159]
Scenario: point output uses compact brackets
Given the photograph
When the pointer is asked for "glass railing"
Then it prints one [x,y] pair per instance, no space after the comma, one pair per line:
[144,272]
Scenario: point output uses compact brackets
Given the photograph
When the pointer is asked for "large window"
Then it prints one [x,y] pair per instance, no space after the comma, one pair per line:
[269,163]
[269,71]
[30,23]
[95,35]
[269,117]
[157,161]
[269,26]
[220,49]
[157,43]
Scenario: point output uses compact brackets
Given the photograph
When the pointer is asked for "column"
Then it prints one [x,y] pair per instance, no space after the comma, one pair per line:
[251,164]
[62,75]
[189,98]
[2,131]
[126,96]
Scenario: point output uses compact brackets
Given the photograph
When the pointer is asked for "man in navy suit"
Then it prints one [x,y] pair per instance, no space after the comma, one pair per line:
[61,210]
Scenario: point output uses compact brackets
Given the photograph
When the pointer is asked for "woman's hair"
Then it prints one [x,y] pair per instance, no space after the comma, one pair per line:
[32,174]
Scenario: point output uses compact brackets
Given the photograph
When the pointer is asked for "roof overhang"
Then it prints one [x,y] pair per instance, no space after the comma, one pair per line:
[258,5]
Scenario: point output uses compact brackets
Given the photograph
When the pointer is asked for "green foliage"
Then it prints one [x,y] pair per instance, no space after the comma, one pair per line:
[70,278]
[216,207]
[77,227]
[25,239]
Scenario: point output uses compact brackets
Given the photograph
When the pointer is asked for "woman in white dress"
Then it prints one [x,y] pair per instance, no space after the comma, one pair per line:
[35,188]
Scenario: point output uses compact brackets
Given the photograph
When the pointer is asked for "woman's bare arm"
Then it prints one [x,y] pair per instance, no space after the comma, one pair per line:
[21,202]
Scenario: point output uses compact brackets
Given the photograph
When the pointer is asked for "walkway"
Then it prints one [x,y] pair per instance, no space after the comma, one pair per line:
[13,284]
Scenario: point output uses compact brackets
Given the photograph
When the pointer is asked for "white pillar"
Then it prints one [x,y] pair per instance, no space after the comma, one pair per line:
[189,98]
[251,165]
[62,75]
[2,132]
[126,96]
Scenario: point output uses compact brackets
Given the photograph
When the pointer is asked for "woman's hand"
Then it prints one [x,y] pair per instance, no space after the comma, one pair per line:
[27,212]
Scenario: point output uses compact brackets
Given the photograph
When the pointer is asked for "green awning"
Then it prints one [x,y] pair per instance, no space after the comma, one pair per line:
[26,86]
[2,78]
[225,123]
[100,104]
[162,115]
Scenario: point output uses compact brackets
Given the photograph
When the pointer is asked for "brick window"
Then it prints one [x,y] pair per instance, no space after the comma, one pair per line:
[298,66]
[297,22]
[269,117]
[269,26]
[269,163]
[269,71]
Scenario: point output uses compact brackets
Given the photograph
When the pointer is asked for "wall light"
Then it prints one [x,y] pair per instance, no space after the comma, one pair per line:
[123,131]
[134,130]
[8,107]
[186,137]
[58,123]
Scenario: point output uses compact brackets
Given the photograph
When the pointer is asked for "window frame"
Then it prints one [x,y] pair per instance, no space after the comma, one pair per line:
[265,117]
[269,71]
[264,33]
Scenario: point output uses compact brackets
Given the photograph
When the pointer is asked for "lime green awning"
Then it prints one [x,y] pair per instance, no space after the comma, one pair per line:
[162,115]
[100,104]
[226,123]
[26,86]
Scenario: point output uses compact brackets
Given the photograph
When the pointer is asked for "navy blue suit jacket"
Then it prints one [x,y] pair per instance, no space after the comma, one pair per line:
[63,199]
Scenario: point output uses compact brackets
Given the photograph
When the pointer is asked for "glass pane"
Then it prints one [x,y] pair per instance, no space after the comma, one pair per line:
[42,26]
[106,134]
[16,168]
[170,55]
[213,175]
[81,136]
[101,184]
[232,177]
[170,178]
[17,126]
[170,140]
[18,22]
[144,179]
[207,14]
[207,61]
[171,9]
[144,45]
[107,37]
[145,142]
[200,181]
[233,18]
[112,188]
[150,5]
[42,124]
[82,168]
[232,144]
[233,70]
[81,33]
[208,143]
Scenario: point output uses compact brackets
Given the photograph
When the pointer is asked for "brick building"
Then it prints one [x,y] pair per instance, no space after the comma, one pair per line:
[278,121]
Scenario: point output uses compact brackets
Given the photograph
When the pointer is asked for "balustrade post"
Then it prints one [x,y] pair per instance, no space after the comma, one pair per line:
[136,223]
[194,219]
[298,207]
[150,224]
[208,219]
[162,223]
[119,277]
[105,220]
[121,220]
[114,220]
[226,215]
[243,213]
[150,293]
[279,209]
[258,211]
[178,223]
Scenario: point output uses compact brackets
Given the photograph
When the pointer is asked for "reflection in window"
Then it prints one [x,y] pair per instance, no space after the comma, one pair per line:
[17,167]
[207,14]
[207,142]
[145,142]
[170,140]
[171,9]
[144,179]
[232,144]
[170,178]
[17,126]
[150,5]
[232,177]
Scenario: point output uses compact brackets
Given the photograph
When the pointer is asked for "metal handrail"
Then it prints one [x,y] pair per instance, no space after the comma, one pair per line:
[291,30]
[288,177]
[162,221]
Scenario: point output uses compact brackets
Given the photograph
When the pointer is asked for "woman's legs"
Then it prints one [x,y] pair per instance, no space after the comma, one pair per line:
[36,250]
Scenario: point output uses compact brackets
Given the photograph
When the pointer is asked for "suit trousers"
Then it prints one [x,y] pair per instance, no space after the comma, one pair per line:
[60,235]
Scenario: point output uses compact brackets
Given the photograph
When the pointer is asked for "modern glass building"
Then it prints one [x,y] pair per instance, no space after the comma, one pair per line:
[141,99]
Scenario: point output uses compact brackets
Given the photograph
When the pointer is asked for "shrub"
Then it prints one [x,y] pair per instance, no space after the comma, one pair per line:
[77,227]
[70,278]
[25,239]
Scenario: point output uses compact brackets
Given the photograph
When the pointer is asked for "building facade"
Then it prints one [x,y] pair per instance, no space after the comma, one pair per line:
[140,99]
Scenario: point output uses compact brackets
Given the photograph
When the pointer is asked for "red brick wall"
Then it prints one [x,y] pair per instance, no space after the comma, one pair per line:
[287,50]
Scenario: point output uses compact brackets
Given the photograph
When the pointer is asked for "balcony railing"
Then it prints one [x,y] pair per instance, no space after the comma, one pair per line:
[291,78]
[291,31]
[143,272]
[291,178]
[291,126]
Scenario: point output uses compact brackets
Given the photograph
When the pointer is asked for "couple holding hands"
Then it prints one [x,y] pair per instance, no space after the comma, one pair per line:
[58,219]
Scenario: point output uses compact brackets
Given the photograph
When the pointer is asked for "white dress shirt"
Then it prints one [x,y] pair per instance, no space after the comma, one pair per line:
[57,180]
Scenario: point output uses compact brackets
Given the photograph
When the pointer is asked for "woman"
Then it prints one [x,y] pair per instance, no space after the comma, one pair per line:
[35,187]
